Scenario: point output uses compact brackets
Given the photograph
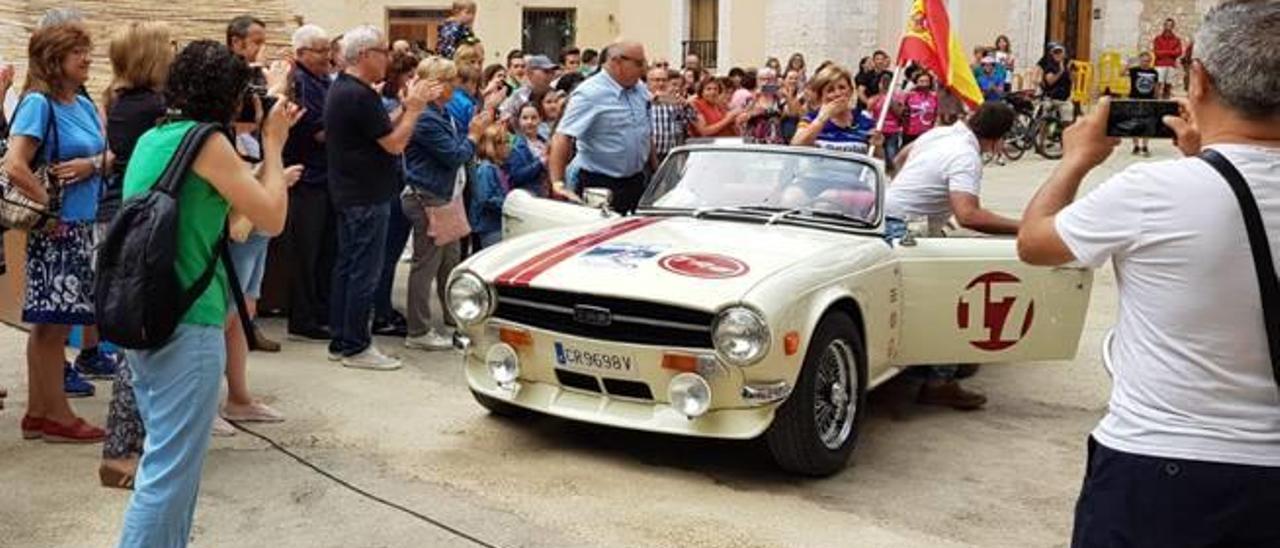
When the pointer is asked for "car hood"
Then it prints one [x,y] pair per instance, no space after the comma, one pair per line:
[696,263]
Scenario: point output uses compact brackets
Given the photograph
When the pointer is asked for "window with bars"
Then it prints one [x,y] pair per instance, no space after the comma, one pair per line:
[547,31]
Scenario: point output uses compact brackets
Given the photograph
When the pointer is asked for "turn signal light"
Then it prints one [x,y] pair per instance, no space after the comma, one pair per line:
[791,343]
[680,362]
[515,337]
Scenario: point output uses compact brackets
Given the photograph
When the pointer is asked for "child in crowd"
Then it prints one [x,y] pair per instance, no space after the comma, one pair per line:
[527,131]
[456,30]
[1143,82]
[489,187]
[892,127]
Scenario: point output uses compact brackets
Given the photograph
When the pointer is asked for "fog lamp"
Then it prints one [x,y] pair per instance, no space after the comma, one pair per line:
[689,394]
[503,363]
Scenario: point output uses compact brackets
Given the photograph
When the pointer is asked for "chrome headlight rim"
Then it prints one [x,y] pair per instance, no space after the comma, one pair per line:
[484,294]
[765,342]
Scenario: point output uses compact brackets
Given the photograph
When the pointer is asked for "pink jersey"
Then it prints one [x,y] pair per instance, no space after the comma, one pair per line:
[922,112]
[892,126]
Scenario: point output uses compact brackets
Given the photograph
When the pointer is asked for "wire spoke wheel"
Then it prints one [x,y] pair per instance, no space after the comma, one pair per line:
[834,404]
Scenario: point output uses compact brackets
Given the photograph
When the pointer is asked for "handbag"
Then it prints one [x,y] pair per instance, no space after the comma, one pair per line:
[17,210]
[1264,266]
[448,223]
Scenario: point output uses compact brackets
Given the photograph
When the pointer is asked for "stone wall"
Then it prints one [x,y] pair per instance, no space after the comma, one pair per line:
[842,30]
[191,20]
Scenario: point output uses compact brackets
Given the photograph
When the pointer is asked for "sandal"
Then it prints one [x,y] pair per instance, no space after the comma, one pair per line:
[118,473]
[254,412]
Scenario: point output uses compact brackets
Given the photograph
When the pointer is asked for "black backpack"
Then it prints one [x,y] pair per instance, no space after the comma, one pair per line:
[137,296]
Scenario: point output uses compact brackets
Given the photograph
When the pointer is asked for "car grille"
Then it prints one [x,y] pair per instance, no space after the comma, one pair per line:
[605,318]
[614,387]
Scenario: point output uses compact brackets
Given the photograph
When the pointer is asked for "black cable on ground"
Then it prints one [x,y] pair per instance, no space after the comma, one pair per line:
[375,498]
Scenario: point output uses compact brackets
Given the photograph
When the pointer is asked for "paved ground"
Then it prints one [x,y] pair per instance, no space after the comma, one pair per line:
[1004,476]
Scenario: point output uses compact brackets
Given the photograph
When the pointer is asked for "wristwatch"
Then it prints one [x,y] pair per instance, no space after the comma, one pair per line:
[97,164]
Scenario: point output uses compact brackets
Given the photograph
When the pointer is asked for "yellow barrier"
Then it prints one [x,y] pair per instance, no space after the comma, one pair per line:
[1113,74]
[1081,79]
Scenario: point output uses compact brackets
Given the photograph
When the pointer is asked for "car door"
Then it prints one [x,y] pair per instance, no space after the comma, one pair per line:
[970,300]
[523,213]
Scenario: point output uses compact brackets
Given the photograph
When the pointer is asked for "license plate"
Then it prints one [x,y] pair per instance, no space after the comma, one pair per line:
[568,356]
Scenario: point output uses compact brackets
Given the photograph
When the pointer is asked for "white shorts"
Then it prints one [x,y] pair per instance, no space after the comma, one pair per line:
[1165,74]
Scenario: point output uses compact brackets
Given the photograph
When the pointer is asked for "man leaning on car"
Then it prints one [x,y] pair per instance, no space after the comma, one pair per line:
[941,176]
[1189,451]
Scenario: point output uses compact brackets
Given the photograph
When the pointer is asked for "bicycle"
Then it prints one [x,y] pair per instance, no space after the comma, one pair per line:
[1037,125]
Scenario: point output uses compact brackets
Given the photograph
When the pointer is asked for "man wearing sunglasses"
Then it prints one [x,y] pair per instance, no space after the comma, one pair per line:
[608,117]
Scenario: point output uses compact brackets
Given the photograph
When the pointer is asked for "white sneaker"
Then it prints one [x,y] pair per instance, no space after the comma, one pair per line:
[335,356]
[372,358]
[432,340]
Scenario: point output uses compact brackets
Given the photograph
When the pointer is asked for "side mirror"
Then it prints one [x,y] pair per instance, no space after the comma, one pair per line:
[598,198]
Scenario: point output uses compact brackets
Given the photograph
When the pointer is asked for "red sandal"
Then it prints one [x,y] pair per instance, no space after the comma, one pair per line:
[32,428]
[78,431]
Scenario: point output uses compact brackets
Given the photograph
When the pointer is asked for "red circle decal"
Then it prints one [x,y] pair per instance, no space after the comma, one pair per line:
[704,265]
[994,312]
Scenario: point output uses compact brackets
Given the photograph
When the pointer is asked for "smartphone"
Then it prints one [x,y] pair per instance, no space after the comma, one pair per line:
[1140,118]
[769,89]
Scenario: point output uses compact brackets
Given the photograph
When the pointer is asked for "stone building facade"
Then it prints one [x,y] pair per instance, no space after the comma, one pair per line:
[746,32]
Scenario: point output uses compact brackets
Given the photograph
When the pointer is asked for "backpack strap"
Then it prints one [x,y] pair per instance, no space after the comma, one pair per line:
[175,172]
[233,280]
[1268,283]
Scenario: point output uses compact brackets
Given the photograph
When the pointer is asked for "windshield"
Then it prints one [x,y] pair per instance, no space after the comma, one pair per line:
[708,179]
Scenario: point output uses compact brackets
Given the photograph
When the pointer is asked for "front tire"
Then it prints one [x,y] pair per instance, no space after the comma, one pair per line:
[500,408]
[815,430]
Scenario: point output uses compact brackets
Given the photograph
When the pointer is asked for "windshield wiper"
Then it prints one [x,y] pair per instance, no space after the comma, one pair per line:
[702,211]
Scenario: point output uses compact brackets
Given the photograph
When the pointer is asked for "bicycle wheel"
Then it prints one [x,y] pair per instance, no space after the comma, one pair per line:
[1016,142]
[1049,139]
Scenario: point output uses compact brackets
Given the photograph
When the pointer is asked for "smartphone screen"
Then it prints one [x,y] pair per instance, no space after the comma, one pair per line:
[1140,118]
[769,89]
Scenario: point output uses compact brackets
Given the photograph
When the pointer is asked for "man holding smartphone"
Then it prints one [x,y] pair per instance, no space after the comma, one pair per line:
[1189,451]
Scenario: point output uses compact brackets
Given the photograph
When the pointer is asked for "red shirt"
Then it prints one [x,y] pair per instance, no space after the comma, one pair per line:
[713,114]
[1168,48]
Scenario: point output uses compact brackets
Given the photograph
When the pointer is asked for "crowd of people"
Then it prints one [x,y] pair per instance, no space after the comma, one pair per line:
[349,148]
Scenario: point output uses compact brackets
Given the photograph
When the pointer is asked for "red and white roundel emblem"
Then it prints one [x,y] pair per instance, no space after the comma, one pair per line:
[704,265]
[993,313]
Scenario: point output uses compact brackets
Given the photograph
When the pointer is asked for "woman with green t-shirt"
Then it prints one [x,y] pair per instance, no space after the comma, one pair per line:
[177,385]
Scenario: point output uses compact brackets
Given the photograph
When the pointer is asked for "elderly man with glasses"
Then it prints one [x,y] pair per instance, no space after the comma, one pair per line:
[608,117]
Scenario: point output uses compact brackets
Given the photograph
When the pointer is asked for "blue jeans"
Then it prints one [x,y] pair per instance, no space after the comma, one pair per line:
[176,388]
[250,258]
[892,144]
[398,230]
[362,242]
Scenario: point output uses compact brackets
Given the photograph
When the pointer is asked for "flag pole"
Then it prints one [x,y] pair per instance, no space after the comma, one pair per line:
[884,110]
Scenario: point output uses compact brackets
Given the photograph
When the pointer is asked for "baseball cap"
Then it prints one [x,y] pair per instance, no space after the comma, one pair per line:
[540,62]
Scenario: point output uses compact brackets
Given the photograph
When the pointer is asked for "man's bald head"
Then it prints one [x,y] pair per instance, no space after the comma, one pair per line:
[627,62]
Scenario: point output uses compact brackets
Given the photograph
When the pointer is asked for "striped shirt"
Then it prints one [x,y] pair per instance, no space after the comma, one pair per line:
[670,126]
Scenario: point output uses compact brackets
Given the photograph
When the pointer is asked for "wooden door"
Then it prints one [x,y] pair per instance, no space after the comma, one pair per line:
[1071,24]
[419,27]
[702,20]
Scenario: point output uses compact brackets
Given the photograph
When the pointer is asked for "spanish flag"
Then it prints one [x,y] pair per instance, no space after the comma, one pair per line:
[927,27]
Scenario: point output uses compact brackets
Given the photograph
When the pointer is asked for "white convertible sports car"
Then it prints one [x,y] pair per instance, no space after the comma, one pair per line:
[754,293]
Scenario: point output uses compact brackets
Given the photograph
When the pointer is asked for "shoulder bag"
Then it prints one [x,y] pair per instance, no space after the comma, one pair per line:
[17,210]
[1268,283]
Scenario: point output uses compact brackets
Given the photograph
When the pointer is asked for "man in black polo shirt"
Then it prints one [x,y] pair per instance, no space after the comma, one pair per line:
[361,142]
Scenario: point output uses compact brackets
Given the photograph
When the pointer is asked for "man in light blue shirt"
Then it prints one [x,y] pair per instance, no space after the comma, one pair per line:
[608,117]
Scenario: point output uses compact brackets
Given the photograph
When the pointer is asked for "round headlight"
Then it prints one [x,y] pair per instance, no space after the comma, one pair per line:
[469,299]
[741,336]
[504,364]
[689,394]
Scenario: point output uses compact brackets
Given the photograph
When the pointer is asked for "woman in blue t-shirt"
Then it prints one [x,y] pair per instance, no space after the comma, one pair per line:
[55,125]
[840,124]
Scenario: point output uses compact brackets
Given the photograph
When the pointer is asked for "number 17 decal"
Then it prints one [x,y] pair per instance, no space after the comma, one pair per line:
[992,313]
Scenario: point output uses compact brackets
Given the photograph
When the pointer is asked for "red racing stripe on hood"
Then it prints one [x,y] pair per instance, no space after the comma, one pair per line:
[526,271]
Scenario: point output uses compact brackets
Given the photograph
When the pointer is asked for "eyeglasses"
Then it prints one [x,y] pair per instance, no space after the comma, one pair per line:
[638,62]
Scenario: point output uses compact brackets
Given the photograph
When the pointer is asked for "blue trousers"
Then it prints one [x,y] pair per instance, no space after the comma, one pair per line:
[362,242]
[398,229]
[176,388]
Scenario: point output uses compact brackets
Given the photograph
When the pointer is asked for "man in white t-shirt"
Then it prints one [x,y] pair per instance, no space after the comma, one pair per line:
[1189,451]
[941,173]
[941,176]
